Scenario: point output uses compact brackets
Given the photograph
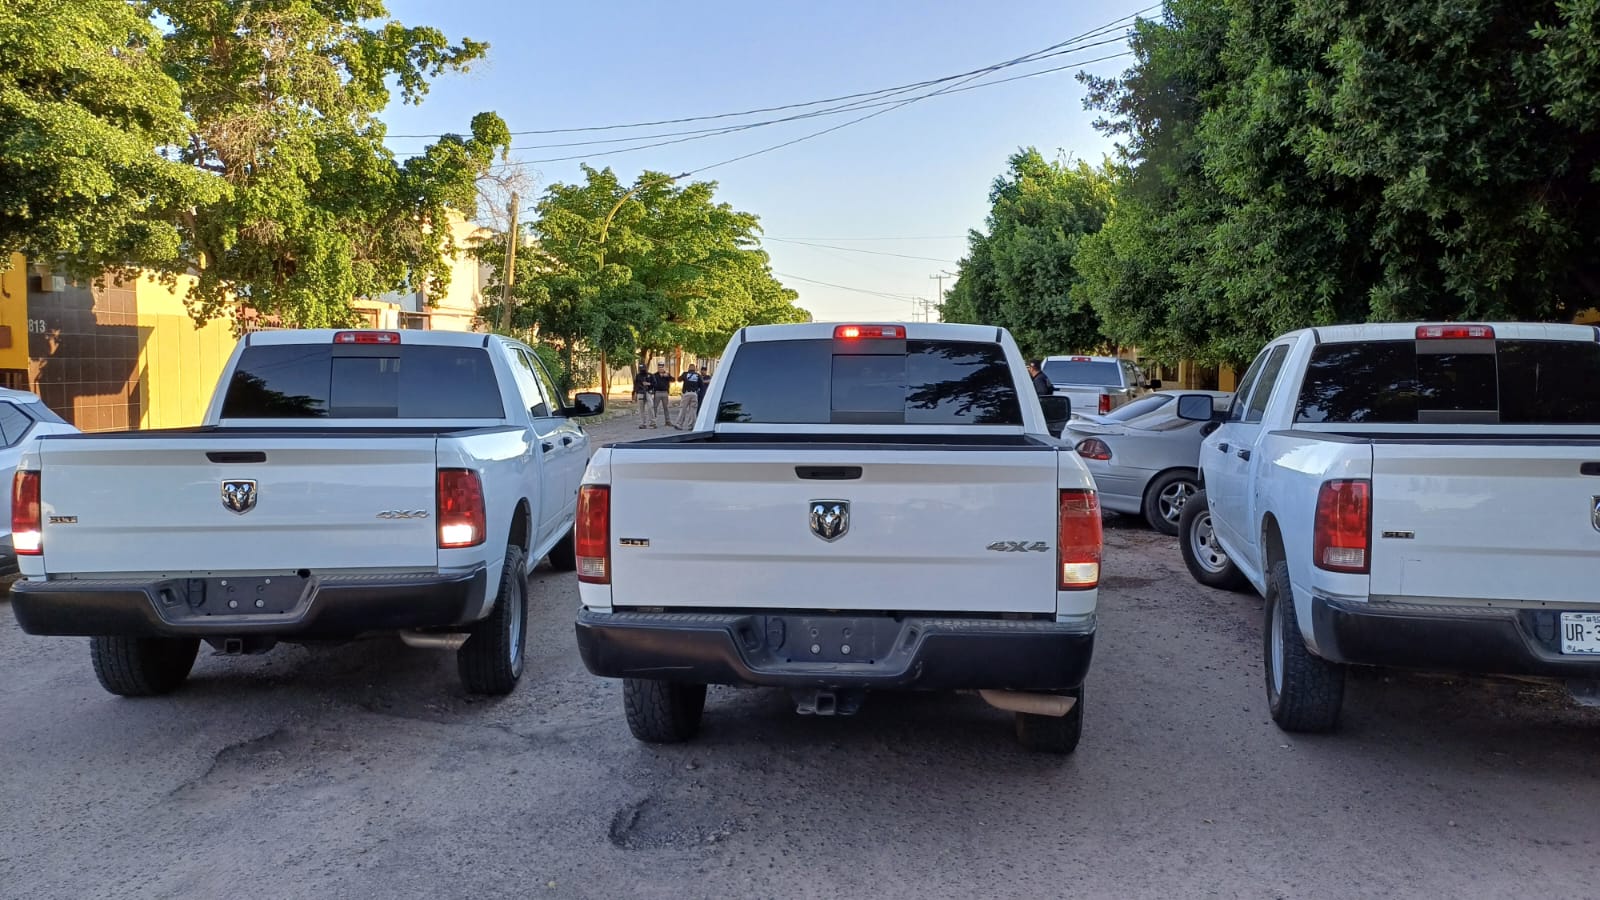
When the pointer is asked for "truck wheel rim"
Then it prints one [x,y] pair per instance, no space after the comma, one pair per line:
[517,613]
[1172,498]
[1203,541]
[1277,650]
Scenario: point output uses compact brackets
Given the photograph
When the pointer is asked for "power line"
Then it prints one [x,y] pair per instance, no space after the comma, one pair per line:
[860,250]
[830,111]
[922,237]
[858,95]
[846,287]
[702,134]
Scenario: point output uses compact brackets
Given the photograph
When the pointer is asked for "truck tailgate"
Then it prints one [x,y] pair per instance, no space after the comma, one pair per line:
[1490,521]
[717,527]
[146,504]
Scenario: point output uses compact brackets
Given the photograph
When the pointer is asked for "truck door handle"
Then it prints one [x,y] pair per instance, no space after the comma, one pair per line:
[1244,453]
[1223,447]
[548,446]
[566,441]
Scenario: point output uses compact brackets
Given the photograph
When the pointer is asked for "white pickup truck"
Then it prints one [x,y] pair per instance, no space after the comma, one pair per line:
[1417,496]
[1096,385]
[859,507]
[343,483]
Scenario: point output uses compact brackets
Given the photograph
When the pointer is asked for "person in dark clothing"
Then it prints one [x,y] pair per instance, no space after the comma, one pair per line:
[689,406]
[660,384]
[643,394]
[1041,384]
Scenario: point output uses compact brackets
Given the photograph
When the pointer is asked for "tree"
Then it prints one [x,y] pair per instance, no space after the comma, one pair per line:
[1019,274]
[623,269]
[1303,162]
[283,99]
[84,106]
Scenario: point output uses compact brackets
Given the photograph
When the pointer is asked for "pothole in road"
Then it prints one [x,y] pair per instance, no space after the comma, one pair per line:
[652,824]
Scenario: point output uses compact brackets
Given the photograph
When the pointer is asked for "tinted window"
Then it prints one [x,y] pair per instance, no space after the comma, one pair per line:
[14,424]
[42,413]
[1268,380]
[548,388]
[928,383]
[1102,374]
[1245,384]
[308,381]
[1390,382]
[528,382]
[1139,407]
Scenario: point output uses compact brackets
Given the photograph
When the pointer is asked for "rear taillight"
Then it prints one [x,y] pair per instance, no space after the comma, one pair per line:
[1094,448]
[27,520]
[461,516]
[1343,531]
[1105,404]
[594,534]
[1078,540]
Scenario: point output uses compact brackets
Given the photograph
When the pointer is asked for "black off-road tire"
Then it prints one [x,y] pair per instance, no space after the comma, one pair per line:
[1207,561]
[142,666]
[1183,480]
[1057,735]
[1311,690]
[491,660]
[564,555]
[663,712]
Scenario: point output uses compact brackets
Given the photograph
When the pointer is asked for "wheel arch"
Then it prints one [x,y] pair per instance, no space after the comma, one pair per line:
[521,533]
[1272,547]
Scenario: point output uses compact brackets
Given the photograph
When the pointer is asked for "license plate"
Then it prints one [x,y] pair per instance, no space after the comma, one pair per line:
[1580,633]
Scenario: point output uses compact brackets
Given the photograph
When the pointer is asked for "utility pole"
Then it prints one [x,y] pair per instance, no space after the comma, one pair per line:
[940,278]
[511,268]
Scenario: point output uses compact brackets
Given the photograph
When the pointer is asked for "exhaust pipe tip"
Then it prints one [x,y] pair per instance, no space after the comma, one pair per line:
[433,641]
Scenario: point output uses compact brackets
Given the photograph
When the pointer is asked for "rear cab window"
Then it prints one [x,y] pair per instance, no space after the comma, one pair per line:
[323,381]
[1100,373]
[1469,381]
[877,382]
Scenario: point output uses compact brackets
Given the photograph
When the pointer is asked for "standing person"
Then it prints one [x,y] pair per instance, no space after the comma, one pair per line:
[643,396]
[660,385]
[693,388]
[1041,383]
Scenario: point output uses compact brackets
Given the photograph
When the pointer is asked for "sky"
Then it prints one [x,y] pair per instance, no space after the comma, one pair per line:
[911,181]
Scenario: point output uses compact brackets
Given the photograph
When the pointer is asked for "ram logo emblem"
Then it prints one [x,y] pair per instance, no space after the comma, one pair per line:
[830,519]
[239,497]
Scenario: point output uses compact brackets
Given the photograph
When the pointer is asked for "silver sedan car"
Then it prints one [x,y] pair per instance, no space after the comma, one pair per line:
[1144,457]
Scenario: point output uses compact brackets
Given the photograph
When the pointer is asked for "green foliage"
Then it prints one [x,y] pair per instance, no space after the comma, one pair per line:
[238,141]
[84,105]
[1019,274]
[283,97]
[654,266]
[1303,162]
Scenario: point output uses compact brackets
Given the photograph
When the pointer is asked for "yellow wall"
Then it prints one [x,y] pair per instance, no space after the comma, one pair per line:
[14,313]
[179,362]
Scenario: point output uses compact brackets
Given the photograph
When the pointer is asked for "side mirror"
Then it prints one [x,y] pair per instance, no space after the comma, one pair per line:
[1154,384]
[1195,408]
[587,403]
[1057,410]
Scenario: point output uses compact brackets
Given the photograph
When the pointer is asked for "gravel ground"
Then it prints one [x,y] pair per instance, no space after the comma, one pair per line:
[364,771]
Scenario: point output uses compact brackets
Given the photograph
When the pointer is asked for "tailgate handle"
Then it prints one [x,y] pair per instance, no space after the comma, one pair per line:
[1590,468]
[236,456]
[828,473]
